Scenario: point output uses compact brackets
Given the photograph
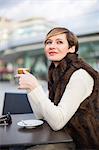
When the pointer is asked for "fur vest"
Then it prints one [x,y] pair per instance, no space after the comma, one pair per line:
[84,125]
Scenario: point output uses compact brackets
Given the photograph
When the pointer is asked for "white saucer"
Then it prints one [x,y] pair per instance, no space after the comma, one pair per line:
[30,123]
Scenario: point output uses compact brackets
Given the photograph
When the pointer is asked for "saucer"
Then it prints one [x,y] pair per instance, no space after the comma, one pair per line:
[30,123]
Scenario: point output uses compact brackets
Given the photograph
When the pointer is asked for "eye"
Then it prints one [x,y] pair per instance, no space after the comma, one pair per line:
[48,42]
[59,42]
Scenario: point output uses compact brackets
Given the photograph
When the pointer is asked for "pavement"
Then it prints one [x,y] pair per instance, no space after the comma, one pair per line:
[11,86]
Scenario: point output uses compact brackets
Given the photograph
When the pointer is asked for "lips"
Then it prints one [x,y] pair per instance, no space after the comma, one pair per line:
[52,53]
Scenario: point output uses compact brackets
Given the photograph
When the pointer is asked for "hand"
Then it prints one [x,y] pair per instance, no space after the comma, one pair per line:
[27,81]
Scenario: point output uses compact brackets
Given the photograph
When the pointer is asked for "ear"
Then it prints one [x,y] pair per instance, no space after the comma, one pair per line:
[72,49]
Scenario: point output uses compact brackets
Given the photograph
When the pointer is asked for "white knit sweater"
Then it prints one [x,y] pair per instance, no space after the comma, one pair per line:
[79,87]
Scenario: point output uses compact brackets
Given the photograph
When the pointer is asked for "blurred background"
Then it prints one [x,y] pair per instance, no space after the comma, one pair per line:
[24,24]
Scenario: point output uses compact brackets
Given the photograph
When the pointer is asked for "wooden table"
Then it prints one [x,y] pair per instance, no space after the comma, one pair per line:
[16,136]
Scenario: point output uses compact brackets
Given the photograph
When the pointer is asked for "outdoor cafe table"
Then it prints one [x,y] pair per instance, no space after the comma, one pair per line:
[16,136]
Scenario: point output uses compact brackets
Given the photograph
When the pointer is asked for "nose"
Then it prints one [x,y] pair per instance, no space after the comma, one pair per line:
[52,45]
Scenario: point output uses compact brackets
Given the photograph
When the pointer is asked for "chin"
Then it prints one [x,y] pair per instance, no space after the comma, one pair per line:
[51,58]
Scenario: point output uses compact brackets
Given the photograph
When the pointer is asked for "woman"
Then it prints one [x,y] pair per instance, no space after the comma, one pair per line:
[73,85]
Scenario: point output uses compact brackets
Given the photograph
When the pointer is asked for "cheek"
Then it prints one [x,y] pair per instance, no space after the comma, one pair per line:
[64,51]
[63,54]
[46,50]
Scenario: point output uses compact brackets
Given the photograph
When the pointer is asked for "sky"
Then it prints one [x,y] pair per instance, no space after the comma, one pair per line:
[73,13]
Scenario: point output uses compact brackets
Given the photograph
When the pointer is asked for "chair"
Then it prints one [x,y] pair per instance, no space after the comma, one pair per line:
[16,103]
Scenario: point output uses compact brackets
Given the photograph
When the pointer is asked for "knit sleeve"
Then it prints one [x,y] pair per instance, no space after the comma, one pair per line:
[79,87]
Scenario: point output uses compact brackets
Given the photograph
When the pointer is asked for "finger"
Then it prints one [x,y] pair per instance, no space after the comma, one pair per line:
[25,72]
[20,88]
[17,76]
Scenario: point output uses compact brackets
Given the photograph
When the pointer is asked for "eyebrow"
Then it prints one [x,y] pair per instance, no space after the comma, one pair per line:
[59,39]
[52,40]
[55,39]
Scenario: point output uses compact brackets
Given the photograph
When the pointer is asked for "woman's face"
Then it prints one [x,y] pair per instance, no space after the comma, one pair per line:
[57,47]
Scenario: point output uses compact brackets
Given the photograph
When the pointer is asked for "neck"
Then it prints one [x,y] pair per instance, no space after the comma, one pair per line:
[56,63]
